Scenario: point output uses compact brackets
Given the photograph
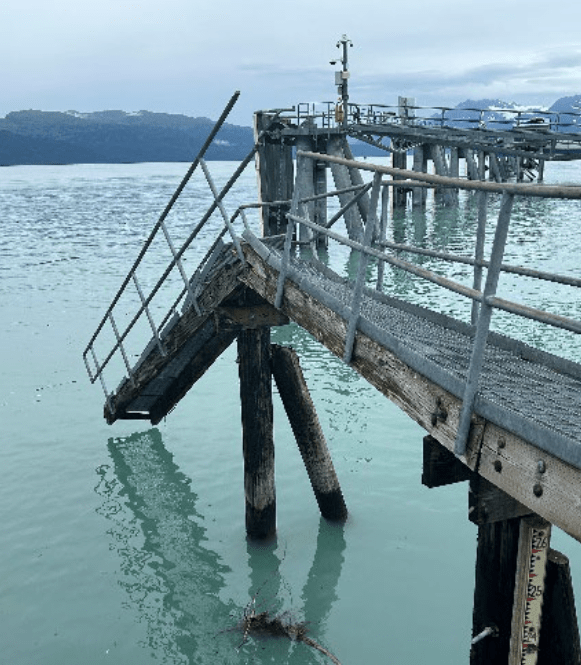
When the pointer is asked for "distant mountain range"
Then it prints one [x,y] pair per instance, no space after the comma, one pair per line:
[112,137]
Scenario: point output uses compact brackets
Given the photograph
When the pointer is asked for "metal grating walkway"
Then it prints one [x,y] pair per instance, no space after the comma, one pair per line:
[530,392]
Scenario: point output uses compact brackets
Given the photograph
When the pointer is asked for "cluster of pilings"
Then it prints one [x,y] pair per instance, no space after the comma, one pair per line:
[277,180]
[259,361]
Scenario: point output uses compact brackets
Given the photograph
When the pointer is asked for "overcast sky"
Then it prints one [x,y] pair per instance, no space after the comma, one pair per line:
[189,56]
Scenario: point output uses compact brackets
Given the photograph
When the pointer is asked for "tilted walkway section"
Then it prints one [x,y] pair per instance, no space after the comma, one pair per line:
[508,411]
[534,394]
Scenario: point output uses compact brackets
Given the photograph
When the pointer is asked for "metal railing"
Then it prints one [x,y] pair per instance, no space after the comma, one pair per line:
[109,324]
[372,245]
[485,298]
[530,121]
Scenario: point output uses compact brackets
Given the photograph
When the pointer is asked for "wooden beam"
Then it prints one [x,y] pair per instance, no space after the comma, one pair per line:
[441,466]
[257,432]
[487,503]
[230,317]
[308,433]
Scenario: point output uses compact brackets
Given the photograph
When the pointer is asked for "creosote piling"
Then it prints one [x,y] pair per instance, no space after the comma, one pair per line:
[309,436]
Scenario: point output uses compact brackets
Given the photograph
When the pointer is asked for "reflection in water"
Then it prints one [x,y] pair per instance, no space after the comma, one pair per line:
[168,573]
[175,581]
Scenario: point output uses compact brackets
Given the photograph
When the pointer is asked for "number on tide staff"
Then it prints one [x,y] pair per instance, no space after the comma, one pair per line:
[533,549]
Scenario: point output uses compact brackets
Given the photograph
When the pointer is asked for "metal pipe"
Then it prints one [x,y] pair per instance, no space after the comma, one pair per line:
[222,210]
[485,315]
[362,268]
[543,191]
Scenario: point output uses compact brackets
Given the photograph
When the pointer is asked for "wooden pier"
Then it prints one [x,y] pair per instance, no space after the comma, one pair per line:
[497,413]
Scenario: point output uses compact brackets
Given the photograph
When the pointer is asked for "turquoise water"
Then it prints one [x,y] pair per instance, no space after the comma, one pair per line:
[126,544]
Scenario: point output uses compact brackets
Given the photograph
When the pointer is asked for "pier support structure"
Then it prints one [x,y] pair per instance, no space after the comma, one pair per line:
[257,432]
[524,609]
[308,433]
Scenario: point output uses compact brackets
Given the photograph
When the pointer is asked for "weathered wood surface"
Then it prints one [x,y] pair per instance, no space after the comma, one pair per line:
[274,170]
[441,466]
[496,556]
[507,461]
[257,432]
[192,343]
[554,494]
[559,643]
[487,503]
[224,283]
[308,433]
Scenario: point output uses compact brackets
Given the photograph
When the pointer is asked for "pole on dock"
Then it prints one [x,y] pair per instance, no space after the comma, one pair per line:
[420,165]
[257,432]
[308,433]
[305,184]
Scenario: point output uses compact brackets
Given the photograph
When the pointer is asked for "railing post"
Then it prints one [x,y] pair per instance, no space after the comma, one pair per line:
[479,345]
[288,241]
[363,260]
[382,235]
[148,314]
[480,238]
[223,212]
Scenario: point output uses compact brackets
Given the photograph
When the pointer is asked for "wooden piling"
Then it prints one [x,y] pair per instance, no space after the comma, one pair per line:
[357,179]
[310,439]
[257,432]
[305,183]
[454,170]
[320,184]
[399,161]
[559,640]
[496,558]
[342,180]
[274,170]
[420,166]
[471,168]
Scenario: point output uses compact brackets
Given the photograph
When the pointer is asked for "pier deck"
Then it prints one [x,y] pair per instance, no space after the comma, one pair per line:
[529,401]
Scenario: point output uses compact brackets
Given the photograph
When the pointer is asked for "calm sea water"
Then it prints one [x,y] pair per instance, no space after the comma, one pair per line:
[126,544]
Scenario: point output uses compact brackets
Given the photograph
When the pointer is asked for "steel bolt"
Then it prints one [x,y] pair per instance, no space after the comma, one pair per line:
[538,489]
[501,442]
[497,466]
[541,466]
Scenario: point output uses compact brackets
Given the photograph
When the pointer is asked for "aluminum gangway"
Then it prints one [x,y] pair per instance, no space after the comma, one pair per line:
[508,411]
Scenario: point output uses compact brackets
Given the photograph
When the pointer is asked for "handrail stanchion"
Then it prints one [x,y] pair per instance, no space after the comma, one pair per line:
[480,238]
[101,378]
[179,264]
[121,347]
[145,307]
[382,234]
[223,212]
[362,268]
[479,345]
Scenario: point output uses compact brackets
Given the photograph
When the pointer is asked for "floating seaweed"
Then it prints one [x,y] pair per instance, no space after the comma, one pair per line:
[262,623]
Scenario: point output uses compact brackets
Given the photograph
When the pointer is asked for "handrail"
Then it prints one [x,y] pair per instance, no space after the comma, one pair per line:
[486,297]
[176,254]
[542,191]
